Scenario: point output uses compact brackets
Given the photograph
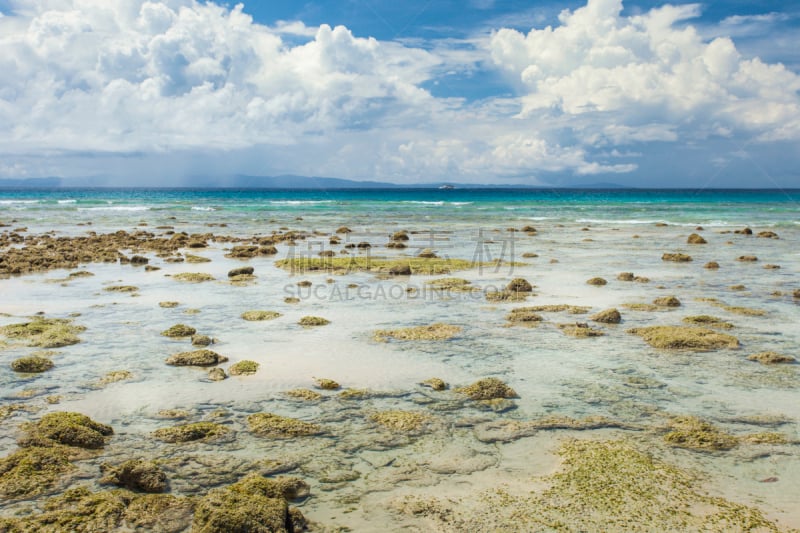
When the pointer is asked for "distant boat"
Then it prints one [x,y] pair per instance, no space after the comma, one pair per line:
[446,187]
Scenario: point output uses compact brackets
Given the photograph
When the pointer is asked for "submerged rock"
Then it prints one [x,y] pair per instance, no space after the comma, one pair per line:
[692,433]
[31,471]
[436,384]
[694,238]
[667,301]
[32,364]
[44,332]
[625,276]
[217,374]
[711,265]
[139,475]
[685,338]
[275,426]
[676,257]
[304,394]
[401,421]
[487,389]
[580,330]
[190,432]
[432,332]
[193,277]
[327,384]
[202,340]
[241,271]
[598,282]
[771,358]
[168,305]
[524,315]
[196,358]
[519,285]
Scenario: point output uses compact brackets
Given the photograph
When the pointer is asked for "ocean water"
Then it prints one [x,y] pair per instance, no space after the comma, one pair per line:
[356,469]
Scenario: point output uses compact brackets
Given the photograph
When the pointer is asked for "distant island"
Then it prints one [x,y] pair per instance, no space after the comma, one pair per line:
[240,181]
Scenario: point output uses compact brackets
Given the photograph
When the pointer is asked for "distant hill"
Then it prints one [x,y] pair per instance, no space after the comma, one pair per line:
[240,181]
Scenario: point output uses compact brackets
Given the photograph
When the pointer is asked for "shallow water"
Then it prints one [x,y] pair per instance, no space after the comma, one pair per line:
[357,468]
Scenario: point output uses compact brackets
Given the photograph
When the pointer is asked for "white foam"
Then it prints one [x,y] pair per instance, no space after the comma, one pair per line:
[117,208]
[14,202]
[201,208]
[300,202]
[67,201]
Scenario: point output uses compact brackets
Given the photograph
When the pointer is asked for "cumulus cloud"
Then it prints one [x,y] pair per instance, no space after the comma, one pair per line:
[89,80]
[646,70]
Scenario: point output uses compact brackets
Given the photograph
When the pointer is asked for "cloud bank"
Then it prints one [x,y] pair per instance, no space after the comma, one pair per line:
[83,81]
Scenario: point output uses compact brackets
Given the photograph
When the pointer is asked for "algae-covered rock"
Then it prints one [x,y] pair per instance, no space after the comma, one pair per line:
[580,330]
[764,438]
[767,235]
[401,421]
[193,277]
[202,340]
[597,282]
[217,374]
[195,259]
[487,389]
[771,358]
[139,475]
[676,257]
[667,301]
[168,305]
[114,376]
[276,426]
[196,358]
[692,433]
[711,265]
[243,368]
[44,332]
[709,321]
[327,384]
[694,238]
[190,432]
[310,321]
[257,315]
[432,332]
[558,308]
[451,284]
[241,271]
[32,471]
[32,364]
[252,505]
[291,300]
[506,296]
[519,285]
[685,338]
[625,276]
[524,315]
[609,316]
[436,384]
[400,270]
[68,429]
[121,288]
[304,394]
[179,330]
[747,258]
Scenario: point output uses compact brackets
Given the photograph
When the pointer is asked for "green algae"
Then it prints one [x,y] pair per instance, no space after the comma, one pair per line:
[66,428]
[417,265]
[432,332]
[168,304]
[311,321]
[138,475]
[32,364]
[304,394]
[693,433]
[257,315]
[524,315]
[243,368]
[197,431]
[765,438]
[685,338]
[32,471]
[196,358]
[121,288]
[254,505]
[179,330]
[451,284]
[276,426]
[487,389]
[559,308]
[44,332]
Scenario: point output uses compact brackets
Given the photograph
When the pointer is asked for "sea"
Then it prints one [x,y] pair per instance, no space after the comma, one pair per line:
[354,470]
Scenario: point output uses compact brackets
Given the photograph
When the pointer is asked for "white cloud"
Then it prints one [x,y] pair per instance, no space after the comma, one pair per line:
[82,78]
[647,69]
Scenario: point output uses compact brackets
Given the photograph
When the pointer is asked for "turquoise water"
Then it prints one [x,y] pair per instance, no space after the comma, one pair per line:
[581,234]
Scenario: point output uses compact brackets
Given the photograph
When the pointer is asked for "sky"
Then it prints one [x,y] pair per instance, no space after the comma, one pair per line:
[551,93]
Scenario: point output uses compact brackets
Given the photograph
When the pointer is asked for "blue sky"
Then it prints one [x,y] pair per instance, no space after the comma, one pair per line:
[480,91]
